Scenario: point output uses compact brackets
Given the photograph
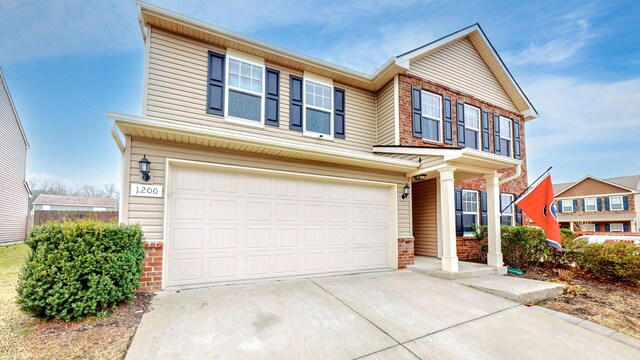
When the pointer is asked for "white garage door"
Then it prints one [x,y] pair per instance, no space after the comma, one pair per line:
[229,226]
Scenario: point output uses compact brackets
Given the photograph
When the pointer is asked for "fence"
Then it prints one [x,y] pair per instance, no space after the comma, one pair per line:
[42,216]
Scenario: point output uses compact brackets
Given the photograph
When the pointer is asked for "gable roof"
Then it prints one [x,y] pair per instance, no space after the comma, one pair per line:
[48,199]
[3,82]
[629,183]
[157,17]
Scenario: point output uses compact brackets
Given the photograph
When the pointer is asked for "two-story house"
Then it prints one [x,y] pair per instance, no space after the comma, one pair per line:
[251,161]
[14,191]
[599,205]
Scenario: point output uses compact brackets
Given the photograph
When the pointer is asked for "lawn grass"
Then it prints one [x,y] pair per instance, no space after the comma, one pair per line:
[22,337]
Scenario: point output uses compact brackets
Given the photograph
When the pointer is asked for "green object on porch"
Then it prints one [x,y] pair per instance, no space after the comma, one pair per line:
[515,271]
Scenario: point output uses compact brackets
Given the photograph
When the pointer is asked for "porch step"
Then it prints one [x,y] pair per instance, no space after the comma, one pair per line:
[466,270]
[524,291]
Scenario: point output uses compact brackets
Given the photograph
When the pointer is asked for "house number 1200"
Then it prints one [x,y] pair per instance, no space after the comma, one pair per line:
[146,190]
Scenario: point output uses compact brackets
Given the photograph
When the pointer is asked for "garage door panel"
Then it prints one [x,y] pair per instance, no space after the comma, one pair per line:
[234,226]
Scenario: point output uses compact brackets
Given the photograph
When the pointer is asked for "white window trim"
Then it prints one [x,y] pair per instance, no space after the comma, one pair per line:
[466,126]
[563,206]
[323,81]
[253,60]
[617,224]
[439,120]
[512,215]
[46,207]
[611,203]
[476,213]
[595,204]
[510,139]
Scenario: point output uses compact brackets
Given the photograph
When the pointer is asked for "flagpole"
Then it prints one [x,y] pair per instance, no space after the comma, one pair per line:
[515,198]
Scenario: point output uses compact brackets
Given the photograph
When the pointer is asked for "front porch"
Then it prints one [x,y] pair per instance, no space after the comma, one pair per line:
[441,219]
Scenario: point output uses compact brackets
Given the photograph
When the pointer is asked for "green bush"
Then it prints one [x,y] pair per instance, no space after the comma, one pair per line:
[523,245]
[613,261]
[80,268]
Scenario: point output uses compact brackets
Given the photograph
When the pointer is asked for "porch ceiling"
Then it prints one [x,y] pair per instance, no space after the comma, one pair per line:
[469,163]
[207,136]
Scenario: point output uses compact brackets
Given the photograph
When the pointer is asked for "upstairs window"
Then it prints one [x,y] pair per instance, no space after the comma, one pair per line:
[318,101]
[245,88]
[469,211]
[506,205]
[506,136]
[567,206]
[616,203]
[431,116]
[472,127]
[590,204]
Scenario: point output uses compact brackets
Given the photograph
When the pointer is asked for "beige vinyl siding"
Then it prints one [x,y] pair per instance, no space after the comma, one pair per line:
[177,90]
[424,218]
[385,116]
[460,66]
[149,212]
[14,199]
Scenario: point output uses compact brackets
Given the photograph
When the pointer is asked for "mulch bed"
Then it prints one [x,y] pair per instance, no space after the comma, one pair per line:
[108,337]
[610,304]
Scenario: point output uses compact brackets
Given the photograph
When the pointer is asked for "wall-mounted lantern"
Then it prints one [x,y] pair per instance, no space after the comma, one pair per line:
[145,168]
[405,191]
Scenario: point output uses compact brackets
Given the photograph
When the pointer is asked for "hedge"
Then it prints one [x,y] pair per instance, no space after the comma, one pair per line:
[80,268]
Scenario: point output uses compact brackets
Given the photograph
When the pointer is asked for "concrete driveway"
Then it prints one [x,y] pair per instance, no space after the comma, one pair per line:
[386,315]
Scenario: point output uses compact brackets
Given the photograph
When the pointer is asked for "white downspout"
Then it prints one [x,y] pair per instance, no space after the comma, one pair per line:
[514,176]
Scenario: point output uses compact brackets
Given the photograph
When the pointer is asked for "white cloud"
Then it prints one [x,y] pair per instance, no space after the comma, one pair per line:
[40,29]
[584,127]
[566,41]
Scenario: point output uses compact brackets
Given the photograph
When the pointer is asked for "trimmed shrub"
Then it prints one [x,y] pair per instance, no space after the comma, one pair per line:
[613,261]
[80,268]
[523,245]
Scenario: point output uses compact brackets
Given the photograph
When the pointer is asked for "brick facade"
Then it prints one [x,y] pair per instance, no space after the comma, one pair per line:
[467,247]
[405,252]
[151,279]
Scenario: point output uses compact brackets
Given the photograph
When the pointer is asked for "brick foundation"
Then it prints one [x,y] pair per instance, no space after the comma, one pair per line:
[405,252]
[467,248]
[151,280]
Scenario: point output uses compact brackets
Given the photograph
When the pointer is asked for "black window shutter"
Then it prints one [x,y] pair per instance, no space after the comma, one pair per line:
[625,202]
[448,123]
[584,208]
[559,208]
[516,139]
[295,103]
[460,118]
[483,208]
[459,224]
[416,110]
[272,100]
[338,113]
[575,205]
[518,215]
[485,131]
[215,88]
[599,202]
[597,227]
[626,228]
[607,227]
[496,133]
[606,204]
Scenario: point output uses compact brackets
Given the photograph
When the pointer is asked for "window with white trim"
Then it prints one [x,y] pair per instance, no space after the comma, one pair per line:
[590,204]
[469,211]
[615,203]
[616,227]
[472,127]
[318,106]
[506,136]
[431,116]
[567,206]
[245,88]
[506,206]
[587,227]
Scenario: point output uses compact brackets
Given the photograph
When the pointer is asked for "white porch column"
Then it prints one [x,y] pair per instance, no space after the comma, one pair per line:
[448,216]
[571,226]
[494,257]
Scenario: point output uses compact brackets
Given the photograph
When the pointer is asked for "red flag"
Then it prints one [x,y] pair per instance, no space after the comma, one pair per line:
[539,204]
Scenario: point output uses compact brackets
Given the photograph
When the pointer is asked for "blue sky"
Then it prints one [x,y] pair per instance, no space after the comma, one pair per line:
[69,62]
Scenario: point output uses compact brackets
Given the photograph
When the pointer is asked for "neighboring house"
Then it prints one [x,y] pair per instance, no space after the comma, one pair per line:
[266,163]
[601,205]
[14,191]
[73,203]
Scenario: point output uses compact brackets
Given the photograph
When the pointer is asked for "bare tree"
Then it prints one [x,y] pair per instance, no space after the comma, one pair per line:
[37,186]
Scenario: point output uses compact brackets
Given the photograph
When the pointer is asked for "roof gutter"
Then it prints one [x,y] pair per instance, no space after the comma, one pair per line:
[116,137]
